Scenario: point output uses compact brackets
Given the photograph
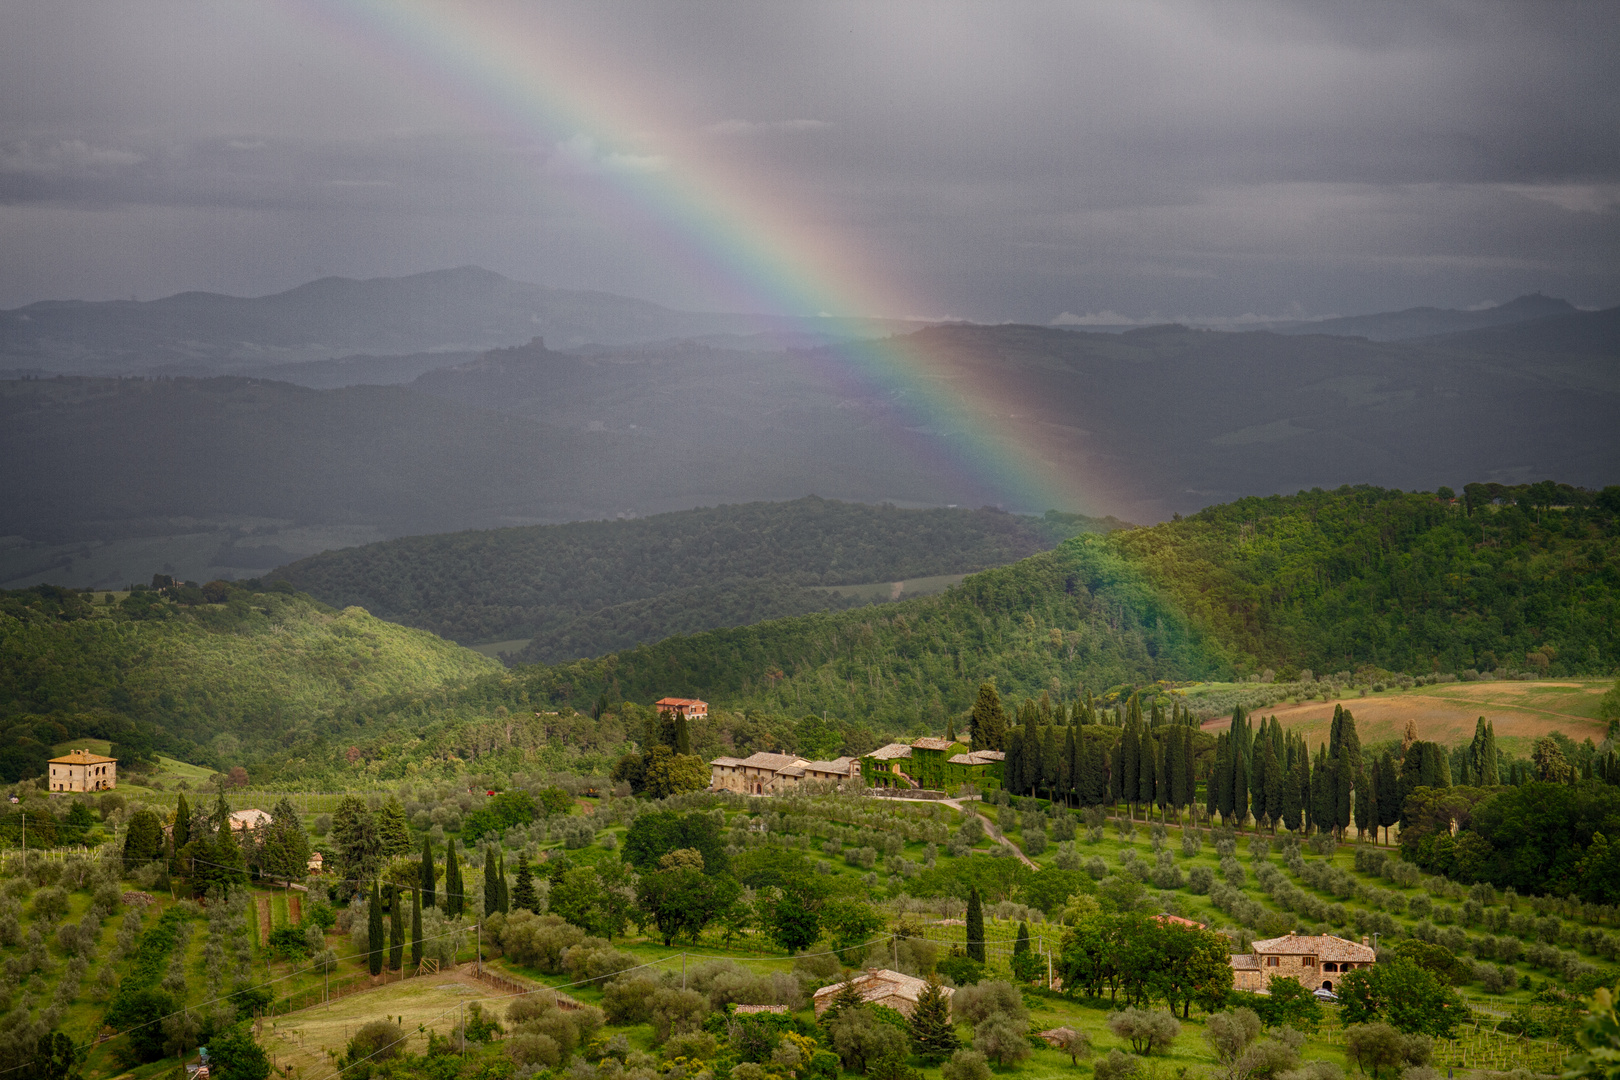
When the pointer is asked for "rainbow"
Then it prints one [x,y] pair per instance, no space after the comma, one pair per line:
[730,230]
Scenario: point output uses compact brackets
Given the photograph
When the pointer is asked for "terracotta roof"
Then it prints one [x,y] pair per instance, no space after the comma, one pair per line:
[82,757]
[249,819]
[680,702]
[1322,946]
[1245,962]
[790,770]
[837,765]
[977,757]
[729,762]
[928,742]
[893,750]
[881,982]
[772,762]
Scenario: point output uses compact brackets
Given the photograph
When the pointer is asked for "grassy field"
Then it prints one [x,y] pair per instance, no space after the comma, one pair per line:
[1446,713]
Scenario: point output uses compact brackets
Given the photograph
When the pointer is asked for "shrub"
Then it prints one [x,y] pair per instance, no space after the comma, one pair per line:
[1146,1031]
[1200,879]
[376,1042]
[1034,842]
[541,1032]
[629,1000]
[676,1012]
[538,941]
[977,1003]
[1001,1038]
[966,1065]
[1117,1066]
[1382,1051]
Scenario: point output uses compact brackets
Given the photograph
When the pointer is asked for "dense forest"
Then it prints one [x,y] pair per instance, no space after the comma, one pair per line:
[591,587]
[1512,579]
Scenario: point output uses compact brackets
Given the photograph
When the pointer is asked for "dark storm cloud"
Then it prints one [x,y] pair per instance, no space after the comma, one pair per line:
[1007,161]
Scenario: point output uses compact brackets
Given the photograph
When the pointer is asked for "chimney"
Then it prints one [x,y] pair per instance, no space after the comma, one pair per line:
[1364,940]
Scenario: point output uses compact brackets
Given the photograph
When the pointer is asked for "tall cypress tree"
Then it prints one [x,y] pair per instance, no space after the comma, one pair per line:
[453,898]
[416,930]
[1130,764]
[975,927]
[1489,769]
[506,889]
[1051,763]
[374,932]
[1388,787]
[1293,797]
[1116,772]
[427,876]
[1068,773]
[1366,809]
[1276,780]
[1030,748]
[492,883]
[396,929]
[683,737]
[1012,766]
[1218,795]
[1021,943]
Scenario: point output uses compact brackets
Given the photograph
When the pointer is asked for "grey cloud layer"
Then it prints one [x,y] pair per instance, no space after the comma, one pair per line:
[1007,161]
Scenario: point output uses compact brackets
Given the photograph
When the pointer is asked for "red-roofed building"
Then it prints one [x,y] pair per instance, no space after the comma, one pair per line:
[691,708]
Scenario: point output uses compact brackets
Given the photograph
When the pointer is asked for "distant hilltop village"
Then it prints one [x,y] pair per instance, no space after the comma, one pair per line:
[927,764]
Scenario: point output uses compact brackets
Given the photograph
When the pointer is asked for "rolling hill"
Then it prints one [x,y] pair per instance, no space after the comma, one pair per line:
[270,671]
[588,588]
[1354,579]
[1422,322]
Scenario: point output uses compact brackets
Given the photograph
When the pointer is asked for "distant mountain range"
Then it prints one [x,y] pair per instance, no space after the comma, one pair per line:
[1425,322]
[464,310]
[111,480]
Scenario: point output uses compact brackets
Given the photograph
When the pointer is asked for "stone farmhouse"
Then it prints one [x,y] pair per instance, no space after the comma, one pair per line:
[880,986]
[778,774]
[1317,961]
[83,771]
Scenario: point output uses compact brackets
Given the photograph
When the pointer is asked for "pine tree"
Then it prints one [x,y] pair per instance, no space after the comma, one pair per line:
[416,930]
[988,719]
[429,875]
[848,997]
[396,929]
[932,1031]
[524,894]
[975,927]
[393,830]
[453,898]
[374,932]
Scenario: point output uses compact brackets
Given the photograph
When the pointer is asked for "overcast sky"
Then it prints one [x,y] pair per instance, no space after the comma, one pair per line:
[994,161]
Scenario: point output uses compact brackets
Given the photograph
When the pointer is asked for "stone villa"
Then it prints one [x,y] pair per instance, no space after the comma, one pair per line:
[83,771]
[1316,961]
